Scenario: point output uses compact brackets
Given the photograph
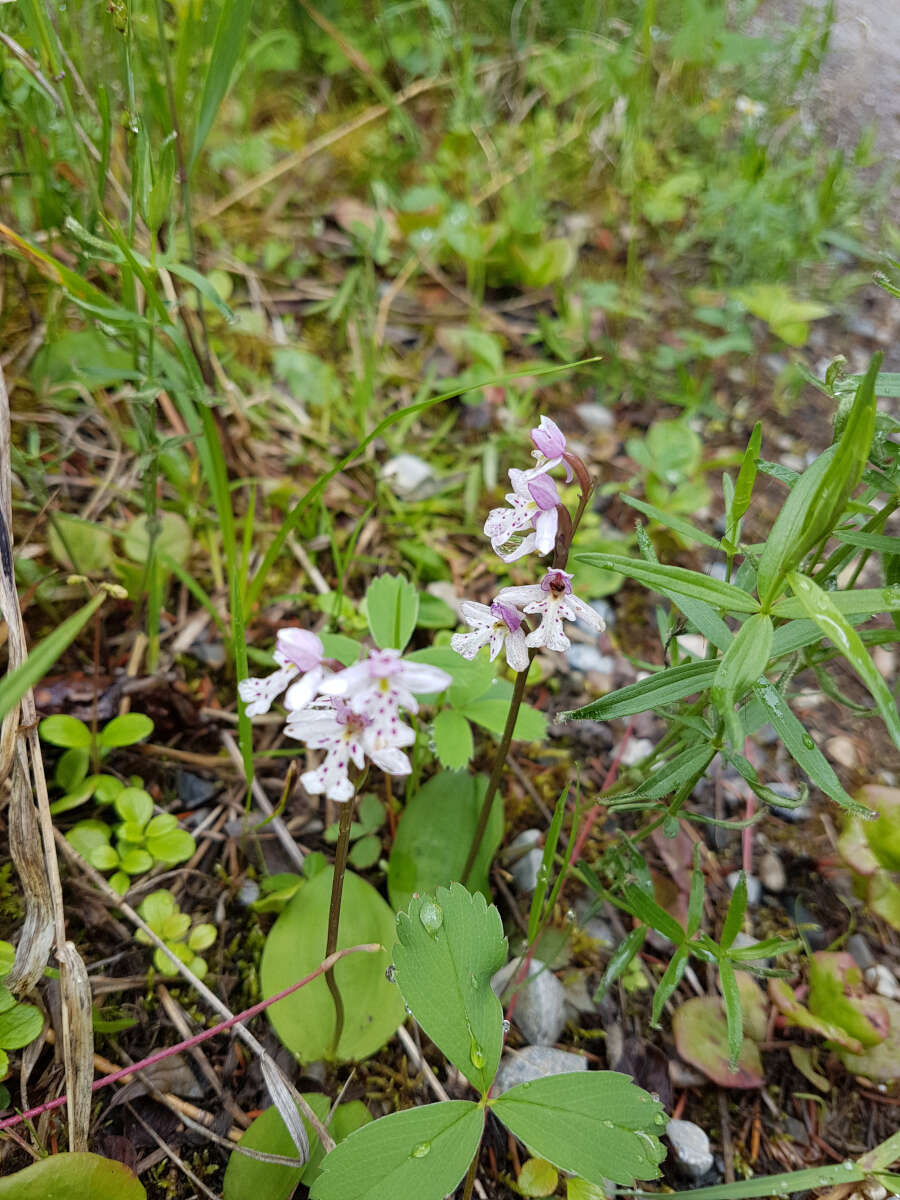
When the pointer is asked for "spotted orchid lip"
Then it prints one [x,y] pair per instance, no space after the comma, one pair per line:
[300,647]
[510,616]
[383,663]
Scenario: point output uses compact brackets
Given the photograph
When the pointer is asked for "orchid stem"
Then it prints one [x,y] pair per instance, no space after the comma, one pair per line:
[497,770]
[334,918]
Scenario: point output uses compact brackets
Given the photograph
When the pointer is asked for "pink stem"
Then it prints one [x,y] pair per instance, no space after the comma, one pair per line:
[246,1015]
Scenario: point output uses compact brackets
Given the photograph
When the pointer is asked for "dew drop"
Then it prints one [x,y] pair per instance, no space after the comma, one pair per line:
[476,1054]
[608,1125]
[808,742]
[847,1164]
[506,1027]
[421,1151]
[431,916]
[391,974]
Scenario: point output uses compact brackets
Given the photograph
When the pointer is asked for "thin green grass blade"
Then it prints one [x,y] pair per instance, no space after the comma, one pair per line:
[234,19]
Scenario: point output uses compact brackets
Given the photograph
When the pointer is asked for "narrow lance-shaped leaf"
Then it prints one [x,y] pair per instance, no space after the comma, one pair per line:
[447,950]
[818,498]
[676,581]
[234,18]
[734,1016]
[743,488]
[736,908]
[665,687]
[834,625]
[741,665]
[543,877]
[669,982]
[620,961]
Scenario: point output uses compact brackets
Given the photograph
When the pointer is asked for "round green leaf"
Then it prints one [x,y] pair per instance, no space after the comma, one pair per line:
[104,858]
[296,946]
[202,937]
[157,907]
[173,539]
[160,825]
[77,796]
[7,956]
[435,833]
[365,852]
[125,730]
[175,926]
[130,833]
[73,1177]
[87,836]
[7,999]
[120,883]
[537,1178]
[108,787]
[249,1179]
[72,768]
[701,1037]
[19,1026]
[174,847]
[60,730]
[135,861]
[163,963]
[134,806]
[80,545]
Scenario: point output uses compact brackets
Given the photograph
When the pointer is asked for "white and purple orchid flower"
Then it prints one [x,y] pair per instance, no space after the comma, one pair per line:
[533,503]
[555,601]
[297,651]
[495,626]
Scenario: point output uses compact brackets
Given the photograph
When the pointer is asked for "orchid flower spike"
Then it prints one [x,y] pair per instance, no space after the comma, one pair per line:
[554,599]
[297,651]
[492,626]
[533,502]
[348,738]
[549,443]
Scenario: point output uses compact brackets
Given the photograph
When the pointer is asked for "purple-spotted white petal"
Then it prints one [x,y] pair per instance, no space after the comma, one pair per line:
[296,651]
[531,520]
[494,626]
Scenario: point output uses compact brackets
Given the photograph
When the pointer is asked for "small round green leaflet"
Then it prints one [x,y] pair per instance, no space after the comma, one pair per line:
[447,950]
[73,1177]
[421,1152]
[598,1125]
[125,730]
[296,946]
[435,833]
[881,1062]
[173,539]
[248,1179]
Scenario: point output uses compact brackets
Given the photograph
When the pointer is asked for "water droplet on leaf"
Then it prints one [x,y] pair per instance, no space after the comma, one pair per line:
[431,916]
[421,1151]
[391,974]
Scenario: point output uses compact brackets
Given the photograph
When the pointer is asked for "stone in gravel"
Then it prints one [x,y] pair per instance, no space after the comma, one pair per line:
[754,887]
[842,750]
[194,791]
[248,892]
[582,657]
[790,792]
[540,1011]
[772,874]
[859,948]
[596,416]
[408,475]
[535,1062]
[524,867]
[690,1148]
[882,981]
[683,1075]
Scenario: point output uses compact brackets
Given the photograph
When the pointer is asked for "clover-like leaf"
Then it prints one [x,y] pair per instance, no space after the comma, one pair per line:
[447,950]
[73,1177]
[421,1152]
[598,1124]
[19,1026]
[61,730]
[125,730]
[135,807]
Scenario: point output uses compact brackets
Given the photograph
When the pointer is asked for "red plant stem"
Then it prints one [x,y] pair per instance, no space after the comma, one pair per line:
[246,1015]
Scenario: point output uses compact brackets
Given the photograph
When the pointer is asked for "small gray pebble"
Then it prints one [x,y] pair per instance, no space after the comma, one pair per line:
[882,981]
[408,475]
[772,873]
[690,1148]
[525,870]
[535,1062]
[754,887]
[248,892]
[541,1007]
[859,948]
[582,657]
[596,416]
